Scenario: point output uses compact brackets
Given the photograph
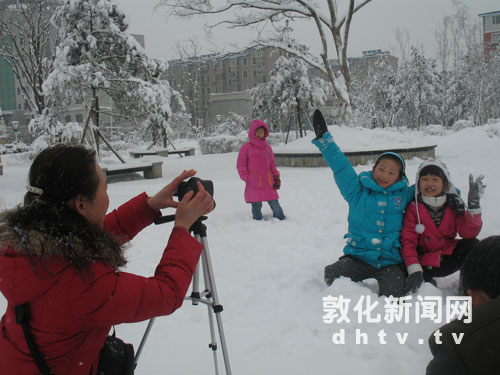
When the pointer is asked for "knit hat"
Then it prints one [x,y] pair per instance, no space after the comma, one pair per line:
[394,156]
[445,176]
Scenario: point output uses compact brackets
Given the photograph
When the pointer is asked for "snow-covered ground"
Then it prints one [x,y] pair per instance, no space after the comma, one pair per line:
[269,274]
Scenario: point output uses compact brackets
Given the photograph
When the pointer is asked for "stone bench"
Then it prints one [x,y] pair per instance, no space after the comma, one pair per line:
[186,152]
[150,170]
[141,153]
[355,157]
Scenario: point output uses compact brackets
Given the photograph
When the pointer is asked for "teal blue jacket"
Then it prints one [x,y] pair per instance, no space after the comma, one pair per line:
[375,214]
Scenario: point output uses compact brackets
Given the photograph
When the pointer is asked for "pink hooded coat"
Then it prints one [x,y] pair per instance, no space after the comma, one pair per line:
[256,166]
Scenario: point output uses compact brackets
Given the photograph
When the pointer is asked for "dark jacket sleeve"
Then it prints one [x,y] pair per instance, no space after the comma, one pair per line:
[119,297]
[446,359]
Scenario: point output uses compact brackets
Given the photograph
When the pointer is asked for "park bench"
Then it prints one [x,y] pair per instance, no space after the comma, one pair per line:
[163,152]
[185,152]
[140,153]
[150,170]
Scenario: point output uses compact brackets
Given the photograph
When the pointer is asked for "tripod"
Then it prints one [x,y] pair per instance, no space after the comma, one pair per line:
[208,296]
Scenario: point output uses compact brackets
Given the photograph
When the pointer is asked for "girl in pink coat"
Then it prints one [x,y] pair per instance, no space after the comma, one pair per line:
[433,220]
[256,167]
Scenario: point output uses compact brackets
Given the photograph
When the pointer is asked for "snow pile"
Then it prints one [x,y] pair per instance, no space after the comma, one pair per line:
[269,274]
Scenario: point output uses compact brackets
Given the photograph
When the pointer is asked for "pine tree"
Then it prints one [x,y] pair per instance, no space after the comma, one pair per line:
[289,92]
[95,57]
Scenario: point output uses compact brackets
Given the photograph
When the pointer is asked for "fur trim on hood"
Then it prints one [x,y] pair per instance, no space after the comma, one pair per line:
[45,229]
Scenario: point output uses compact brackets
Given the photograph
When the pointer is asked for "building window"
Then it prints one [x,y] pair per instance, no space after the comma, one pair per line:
[245,62]
[495,38]
[79,118]
[254,73]
[67,118]
[245,86]
[495,20]
[18,91]
[19,106]
[254,60]
[259,53]
[245,74]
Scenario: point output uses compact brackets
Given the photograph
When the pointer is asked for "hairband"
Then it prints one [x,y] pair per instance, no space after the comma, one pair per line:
[34,190]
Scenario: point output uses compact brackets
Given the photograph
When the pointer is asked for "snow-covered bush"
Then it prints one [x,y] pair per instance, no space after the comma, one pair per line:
[233,125]
[221,144]
[434,130]
[493,129]
[462,124]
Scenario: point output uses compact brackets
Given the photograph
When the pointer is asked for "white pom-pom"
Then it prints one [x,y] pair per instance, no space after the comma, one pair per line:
[419,228]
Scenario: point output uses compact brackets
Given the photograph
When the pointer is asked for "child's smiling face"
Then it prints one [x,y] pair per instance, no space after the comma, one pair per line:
[430,185]
[386,172]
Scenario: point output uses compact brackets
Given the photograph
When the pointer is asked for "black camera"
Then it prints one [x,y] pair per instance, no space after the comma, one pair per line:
[191,185]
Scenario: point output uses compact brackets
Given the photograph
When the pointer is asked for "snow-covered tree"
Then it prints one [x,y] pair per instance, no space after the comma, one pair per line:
[289,92]
[233,125]
[191,63]
[417,84]
[331,20]
[95,57]
[376,99]
[27,42]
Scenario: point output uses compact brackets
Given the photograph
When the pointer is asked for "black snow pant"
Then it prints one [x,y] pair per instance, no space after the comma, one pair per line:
[391,279]
[453,262]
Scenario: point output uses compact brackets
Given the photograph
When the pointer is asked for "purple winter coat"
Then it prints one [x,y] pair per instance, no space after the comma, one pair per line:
[256,166]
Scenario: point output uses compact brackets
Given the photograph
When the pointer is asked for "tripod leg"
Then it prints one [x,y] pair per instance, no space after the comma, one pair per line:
[217,308]
[195,291]
[213,343]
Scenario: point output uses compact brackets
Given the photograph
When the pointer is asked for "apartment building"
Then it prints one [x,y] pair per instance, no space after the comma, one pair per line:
[491,31]
[208,79]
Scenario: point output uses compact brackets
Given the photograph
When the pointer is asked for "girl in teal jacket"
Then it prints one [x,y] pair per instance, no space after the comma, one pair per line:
[377,200]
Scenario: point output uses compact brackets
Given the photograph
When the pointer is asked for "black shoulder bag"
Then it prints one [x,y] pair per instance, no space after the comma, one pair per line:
[116,358]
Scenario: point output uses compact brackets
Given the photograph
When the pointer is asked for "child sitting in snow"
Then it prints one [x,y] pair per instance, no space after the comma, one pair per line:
[257,168]
[377,200]
[431,222]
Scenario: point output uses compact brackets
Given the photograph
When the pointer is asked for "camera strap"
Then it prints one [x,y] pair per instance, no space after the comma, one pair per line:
[22,318]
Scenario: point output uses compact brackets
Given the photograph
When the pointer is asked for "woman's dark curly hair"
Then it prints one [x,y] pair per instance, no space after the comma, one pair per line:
[63,172]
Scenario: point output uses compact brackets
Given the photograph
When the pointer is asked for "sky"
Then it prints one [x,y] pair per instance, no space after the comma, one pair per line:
[269,274]
[372,27]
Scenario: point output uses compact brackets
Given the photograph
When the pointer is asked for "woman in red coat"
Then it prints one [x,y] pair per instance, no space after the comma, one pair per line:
[60,253]
[431,224]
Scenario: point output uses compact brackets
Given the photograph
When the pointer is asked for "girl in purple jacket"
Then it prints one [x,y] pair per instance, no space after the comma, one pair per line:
[256,167]
[433,220]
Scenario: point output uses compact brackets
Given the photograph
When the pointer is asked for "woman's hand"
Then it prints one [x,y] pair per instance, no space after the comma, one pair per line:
[190,208]
[165,197]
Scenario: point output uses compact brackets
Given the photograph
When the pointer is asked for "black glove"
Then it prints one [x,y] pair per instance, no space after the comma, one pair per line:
[456,203]
[319,124]
[277,183]
[476,191]
[330,274]
[414,281]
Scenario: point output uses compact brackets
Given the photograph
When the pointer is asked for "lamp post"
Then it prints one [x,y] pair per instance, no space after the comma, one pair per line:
[15,127]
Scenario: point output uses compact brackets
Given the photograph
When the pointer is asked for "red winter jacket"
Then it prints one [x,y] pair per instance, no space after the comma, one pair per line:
[71,315]
[435,241]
